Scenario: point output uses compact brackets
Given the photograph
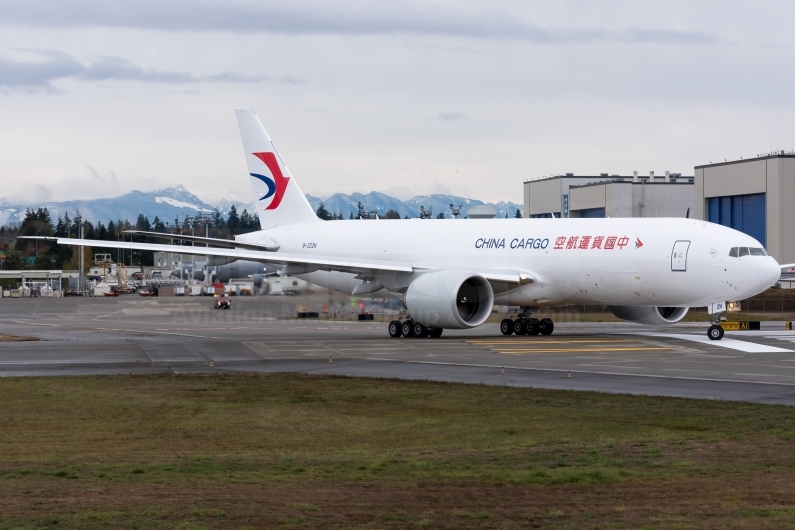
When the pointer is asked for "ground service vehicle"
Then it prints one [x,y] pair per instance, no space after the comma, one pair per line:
[449,273]
[223,303]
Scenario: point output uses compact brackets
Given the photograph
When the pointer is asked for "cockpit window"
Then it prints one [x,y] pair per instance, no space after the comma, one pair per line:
[739,252]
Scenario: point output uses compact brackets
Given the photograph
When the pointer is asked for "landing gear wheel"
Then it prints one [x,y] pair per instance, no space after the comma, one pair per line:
[407,328]
[715,332]
[395,329]
[520,326]
[436,332]
[420,330]
[533,326]
[506,326]
[547,326]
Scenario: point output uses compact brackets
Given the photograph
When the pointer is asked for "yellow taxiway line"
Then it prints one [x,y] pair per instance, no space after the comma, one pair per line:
[561,341]
[568,350]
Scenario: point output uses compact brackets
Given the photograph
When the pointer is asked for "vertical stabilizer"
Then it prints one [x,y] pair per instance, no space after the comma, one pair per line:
[279,199]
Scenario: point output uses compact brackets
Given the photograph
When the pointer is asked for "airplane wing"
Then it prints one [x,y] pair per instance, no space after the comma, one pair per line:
[276,258]
[269,246]
[501,280]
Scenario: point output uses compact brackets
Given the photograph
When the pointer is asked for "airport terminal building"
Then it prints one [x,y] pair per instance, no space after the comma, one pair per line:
[668,195]
[755,196]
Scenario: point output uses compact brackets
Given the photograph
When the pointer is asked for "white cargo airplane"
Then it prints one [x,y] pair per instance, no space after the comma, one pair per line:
[450,273]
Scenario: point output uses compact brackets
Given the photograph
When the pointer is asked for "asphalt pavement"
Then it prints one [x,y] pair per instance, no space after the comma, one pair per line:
[259,334]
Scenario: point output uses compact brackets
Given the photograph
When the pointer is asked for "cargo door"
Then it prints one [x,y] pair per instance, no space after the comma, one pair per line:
[679,256]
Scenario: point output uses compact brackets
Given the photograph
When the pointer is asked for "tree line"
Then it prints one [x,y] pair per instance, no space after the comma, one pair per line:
[324,214]
[21,253]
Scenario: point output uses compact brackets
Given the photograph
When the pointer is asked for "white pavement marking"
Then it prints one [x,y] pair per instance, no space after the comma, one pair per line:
[748,347]
[781,335]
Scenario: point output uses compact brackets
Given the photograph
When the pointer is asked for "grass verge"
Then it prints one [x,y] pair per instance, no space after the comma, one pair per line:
[297,451]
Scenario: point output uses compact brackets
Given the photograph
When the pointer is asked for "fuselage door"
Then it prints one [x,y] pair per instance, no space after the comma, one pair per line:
[679,256]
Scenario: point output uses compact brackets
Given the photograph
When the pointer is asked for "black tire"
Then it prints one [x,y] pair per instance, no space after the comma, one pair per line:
[533,326]
[520,326]
[506,326]
[715,332]
[420,330]
[395,329]
[547,326]
[436,332]
[408,328]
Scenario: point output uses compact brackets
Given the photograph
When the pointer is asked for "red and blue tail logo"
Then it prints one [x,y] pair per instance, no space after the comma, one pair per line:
[276,182]
[638,242]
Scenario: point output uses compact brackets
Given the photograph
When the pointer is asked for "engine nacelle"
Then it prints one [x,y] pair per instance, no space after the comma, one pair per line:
[649,315]
[450,299]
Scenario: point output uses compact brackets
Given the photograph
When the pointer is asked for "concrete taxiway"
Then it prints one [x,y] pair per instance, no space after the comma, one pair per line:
[184,335]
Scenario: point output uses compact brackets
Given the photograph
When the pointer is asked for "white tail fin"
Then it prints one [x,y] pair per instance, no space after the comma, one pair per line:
[279,199]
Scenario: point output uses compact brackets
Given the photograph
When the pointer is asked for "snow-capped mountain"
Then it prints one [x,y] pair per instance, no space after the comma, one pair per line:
[440,203]
[171,203]
[347,204]
[167,204]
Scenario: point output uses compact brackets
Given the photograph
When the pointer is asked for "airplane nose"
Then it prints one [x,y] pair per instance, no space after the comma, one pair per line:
[769,271]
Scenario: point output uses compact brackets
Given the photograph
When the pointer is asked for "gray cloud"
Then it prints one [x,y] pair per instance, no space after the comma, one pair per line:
[56,65]
[452,116]
[309,17]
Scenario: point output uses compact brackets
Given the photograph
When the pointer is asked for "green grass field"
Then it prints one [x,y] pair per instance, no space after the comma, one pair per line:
[295,451]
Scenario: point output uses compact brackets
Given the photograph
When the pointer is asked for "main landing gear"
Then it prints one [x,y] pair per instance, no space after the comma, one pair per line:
[412,329]
[524,324]
[715,331]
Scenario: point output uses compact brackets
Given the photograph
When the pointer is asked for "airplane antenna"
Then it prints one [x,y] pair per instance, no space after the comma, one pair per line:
[687,215]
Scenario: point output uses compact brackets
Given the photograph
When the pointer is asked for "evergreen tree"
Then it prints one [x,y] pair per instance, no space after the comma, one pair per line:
[360,207]
[255,225]
[76,223]
[157,224]
[102,232]
[35,223]
[67,225]
[245,222]
[143,223]
[351,216]
[518,214]
[60,229]
[43,215]
[217,220]
[440,216]
[233,220]
[392,214]
[322,212]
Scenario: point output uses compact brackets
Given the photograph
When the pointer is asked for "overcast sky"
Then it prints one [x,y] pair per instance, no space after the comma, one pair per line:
[98,98]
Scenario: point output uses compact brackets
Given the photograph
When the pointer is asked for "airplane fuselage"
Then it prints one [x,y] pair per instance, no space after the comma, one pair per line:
[656,261]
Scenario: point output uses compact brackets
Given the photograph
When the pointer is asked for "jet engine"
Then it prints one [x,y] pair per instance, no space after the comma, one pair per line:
[649,315]
[450,299]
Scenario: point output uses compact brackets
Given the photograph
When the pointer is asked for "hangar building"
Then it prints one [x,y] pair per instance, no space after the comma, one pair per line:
[669,195]
[755,196]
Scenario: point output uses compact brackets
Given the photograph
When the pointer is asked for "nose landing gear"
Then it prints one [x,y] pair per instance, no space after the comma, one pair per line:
[715,331]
